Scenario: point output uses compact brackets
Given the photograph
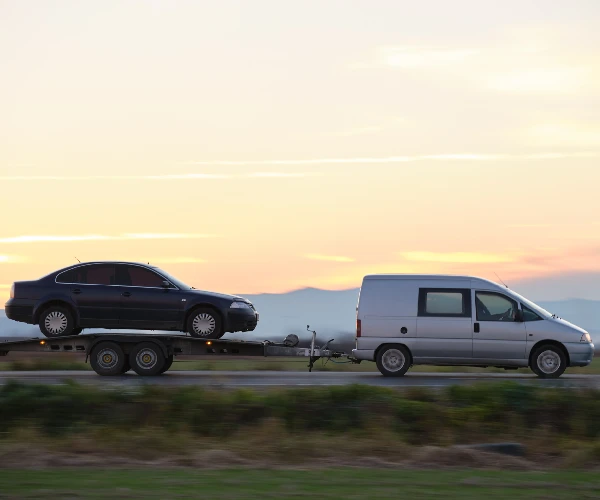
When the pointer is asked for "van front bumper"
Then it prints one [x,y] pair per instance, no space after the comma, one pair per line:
[580,354]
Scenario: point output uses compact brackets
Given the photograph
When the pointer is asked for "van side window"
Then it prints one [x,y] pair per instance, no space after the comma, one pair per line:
[495,307]
[529,315]
[445,302]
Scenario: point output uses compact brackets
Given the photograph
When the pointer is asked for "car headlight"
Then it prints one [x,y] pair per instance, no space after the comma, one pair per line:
[586,338]
[240,305]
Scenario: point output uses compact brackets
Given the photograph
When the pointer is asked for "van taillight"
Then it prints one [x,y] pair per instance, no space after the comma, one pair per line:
[358,328]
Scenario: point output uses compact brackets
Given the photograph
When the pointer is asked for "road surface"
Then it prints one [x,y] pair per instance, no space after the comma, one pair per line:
[292,379]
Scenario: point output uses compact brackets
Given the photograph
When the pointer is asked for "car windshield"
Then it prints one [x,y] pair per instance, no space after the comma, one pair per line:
[178,283]
[534,307]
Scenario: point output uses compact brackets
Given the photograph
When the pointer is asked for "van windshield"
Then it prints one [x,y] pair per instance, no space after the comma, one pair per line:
[533,306]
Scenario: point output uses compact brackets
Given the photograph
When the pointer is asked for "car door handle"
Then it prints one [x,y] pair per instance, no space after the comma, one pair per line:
[126,294]
[476,327]
[76,291]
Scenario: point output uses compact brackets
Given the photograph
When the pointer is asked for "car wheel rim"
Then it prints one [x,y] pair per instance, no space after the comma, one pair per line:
[393,360]
[548,362]
[146,359]
[107,359]
[204,324]
[56,322]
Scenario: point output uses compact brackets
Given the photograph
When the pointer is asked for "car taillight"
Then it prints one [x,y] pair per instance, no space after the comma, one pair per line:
[358,328]
[12,291]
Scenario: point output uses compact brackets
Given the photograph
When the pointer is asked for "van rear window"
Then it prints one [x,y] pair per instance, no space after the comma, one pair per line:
[445,302]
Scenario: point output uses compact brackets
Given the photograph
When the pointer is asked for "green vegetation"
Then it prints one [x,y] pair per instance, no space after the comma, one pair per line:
[296,426]
[353,484]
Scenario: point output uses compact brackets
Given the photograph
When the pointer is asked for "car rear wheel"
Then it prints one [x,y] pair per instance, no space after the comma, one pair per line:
[107,358]
[548,361]
[57,321]
[393,360]
[147,359]
[205,323]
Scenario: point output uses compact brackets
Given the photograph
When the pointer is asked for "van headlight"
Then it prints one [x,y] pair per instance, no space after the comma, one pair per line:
[240,305]
[586,338]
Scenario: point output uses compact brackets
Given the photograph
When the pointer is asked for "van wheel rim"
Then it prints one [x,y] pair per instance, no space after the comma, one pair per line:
[146,359]
[204,324]
[56,322]
[393,360]
[107,358]
[548,362]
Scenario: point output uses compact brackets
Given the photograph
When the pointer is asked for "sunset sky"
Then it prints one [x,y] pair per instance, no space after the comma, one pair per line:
[268,145]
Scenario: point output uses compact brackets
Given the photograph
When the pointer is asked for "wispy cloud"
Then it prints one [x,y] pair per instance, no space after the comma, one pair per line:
[405,159]
[176,260]
[329,258]
[559,79]
[11,259]
[102,237]
[166,177]
[456,257]
[415,57]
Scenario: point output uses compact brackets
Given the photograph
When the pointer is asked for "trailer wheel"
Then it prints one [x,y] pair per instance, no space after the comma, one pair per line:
[393,360]
[147,359]
[107,358]
[168,363]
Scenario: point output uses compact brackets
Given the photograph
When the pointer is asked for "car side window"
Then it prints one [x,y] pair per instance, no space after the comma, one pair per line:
[492,306]
[445,302]
[529,315]
[139,276]
[71,276]
[103,274]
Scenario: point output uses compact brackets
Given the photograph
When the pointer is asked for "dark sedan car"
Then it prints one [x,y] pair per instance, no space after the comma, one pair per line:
[125,295]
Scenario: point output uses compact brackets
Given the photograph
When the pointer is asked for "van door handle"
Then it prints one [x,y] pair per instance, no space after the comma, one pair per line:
[476,327]
[76,291]
[126,294]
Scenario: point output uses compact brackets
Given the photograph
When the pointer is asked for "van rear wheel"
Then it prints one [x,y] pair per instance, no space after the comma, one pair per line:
[393,360]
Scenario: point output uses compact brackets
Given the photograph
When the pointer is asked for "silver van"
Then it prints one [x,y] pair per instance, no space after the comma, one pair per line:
[404,320]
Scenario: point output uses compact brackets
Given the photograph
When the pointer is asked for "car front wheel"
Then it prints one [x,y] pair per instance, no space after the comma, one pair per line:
[205,323]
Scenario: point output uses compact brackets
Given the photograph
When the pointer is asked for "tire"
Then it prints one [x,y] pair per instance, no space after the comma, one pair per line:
[168,363]
[393,360]
[548,361]
[57,321]
[107,358]
[205,323]
[147,359]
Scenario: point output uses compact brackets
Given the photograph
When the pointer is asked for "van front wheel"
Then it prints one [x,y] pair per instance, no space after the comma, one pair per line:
[393,360]
[548,361]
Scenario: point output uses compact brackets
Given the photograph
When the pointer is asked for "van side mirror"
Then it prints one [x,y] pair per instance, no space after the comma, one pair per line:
[519,316]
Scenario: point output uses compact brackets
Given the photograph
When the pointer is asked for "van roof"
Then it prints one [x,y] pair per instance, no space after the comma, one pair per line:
[425,277]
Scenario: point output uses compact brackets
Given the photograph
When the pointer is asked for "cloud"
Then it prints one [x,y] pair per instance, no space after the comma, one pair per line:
[329,258]
[456,257]
[406,159]
[11,259]
[423,57]
[176,260]
[166,177]
[546,80]
[101,237]
[565,134]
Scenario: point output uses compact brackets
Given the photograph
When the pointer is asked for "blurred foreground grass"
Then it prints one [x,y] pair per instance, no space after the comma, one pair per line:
[48,362]
[336,483]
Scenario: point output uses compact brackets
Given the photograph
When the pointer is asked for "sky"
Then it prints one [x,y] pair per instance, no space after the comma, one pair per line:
[268,145]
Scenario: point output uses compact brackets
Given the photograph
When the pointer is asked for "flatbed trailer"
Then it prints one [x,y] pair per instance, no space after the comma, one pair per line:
[153,354]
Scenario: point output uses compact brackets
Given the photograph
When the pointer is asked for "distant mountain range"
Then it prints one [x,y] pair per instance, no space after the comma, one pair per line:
[332,314]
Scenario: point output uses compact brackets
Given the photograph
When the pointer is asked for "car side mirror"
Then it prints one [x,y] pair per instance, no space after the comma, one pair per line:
[519,316]
[166,284]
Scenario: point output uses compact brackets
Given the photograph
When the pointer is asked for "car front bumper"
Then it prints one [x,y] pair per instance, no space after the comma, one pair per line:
[241,320]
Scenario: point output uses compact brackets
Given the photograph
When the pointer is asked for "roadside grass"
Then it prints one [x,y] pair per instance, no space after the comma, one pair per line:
[40,363]
[329,483]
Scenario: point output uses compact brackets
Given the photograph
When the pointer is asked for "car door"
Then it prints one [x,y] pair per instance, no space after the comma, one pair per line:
[93,291]
[145,302]
[444,324]
[497,332]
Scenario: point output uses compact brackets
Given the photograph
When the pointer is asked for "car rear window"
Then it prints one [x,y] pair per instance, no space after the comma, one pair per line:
[89,275]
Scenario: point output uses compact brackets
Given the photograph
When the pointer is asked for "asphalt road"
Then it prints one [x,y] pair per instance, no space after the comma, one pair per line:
[292,379]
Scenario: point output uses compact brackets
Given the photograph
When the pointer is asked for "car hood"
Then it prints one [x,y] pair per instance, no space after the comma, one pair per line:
[217,295]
